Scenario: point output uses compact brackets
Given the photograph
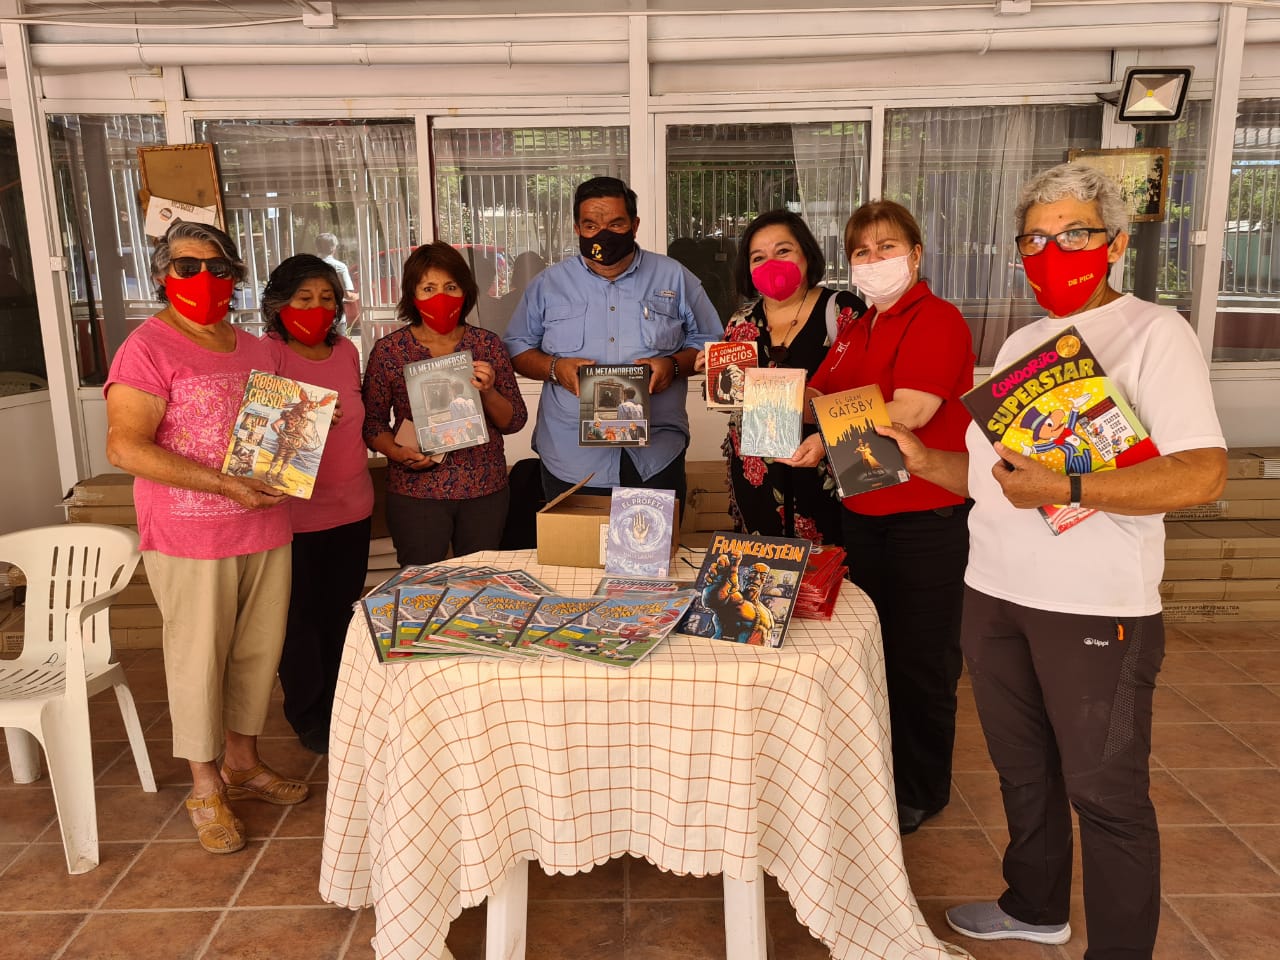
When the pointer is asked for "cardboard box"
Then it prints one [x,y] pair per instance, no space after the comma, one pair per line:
[139,616]
[1221,589]
[105,490]
[11,633]
[1247,568]
[1230,509]
[137,638]
[572,529]
[124,516]
[1249,462]
[1221,539]
[1190,611]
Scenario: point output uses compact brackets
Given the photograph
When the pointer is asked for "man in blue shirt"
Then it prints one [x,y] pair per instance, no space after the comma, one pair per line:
[615,304]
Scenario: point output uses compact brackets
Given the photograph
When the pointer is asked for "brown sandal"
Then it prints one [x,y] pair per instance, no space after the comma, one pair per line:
[276,790]
[224,833]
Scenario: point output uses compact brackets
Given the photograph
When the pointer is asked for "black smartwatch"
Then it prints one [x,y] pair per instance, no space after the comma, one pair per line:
[1074,478]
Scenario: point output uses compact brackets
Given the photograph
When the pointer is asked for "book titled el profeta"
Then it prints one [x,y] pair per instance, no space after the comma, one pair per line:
[746,588]
[860,458]
[613,405]
[772,411]
[641,527]
[727,365]
[279,432]
[1057,405]
[447,414]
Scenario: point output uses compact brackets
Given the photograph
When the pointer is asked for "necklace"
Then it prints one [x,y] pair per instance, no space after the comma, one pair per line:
[779,352]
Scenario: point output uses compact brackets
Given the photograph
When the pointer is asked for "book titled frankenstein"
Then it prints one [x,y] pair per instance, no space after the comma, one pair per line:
[727,365]
[860,458]
[746,588]
[613,405]
[279,433]
[447,414]
[772,410]
[1057,405]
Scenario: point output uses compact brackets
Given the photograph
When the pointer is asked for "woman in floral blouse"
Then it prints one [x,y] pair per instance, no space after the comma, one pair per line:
[462,500]
[792,320]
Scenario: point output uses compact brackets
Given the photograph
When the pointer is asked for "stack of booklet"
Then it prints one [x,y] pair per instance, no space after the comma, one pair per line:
[443,610]
[820,583]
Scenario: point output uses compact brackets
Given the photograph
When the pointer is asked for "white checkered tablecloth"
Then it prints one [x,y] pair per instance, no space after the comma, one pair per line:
[706,757]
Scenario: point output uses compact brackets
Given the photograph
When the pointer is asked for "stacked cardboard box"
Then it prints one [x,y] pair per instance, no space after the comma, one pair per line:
[1222,559]
[708,507]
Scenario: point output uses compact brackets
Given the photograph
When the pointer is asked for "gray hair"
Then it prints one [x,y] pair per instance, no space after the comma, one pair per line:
[326,243]
[161,256]
[1084,183]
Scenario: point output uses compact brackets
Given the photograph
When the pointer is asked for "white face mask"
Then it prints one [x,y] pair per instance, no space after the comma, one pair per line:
[883,281]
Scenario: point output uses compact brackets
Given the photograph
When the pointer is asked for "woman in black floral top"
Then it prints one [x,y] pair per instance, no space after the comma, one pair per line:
[791,319]
[461,501]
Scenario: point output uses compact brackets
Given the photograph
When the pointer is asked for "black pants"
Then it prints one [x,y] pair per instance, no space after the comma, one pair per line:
[670,477]
[1065,703]
[912,567]
[329,568]
[424,530]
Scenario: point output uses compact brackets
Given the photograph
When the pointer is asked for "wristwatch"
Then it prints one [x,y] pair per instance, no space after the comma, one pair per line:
[1074,478]
[675,366]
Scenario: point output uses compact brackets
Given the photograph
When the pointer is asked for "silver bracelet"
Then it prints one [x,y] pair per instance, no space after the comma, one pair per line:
[551,374]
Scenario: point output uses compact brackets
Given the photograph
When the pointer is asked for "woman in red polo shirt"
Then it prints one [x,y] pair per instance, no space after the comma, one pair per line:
[908,544]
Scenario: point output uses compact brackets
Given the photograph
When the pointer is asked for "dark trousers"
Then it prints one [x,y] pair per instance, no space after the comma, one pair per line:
[911,565]
[1065,704]
[670,477]
[329,568]
[424,530]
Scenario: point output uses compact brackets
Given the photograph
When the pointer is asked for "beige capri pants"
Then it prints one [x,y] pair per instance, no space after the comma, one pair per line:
[224,624]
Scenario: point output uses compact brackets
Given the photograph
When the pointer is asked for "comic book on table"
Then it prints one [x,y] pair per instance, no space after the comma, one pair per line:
[727,364]
[611,585]
[642,523]
[280,432]
[860,459]
[772,412]
[519,580]
[379,611]
[552,613]
[1057,405]
[489,623]
[619,631]
[746,588]
[414,606]
[450,602]
[613,405]
[447,414]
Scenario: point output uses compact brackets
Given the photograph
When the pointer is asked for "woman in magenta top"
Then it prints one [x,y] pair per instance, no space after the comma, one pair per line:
[331,530]
[216,547]
[908,544]
[460,502]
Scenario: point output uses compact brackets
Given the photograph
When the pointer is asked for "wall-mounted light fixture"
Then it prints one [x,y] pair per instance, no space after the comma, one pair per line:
[1153,94]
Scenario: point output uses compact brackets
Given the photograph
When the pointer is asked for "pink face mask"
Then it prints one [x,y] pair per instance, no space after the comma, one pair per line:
[440,312]
[777,279]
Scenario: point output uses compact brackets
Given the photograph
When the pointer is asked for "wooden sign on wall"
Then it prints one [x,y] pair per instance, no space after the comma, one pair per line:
[183,179]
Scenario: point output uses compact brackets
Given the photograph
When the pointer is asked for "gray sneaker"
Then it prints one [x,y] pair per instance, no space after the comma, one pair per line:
[986,921]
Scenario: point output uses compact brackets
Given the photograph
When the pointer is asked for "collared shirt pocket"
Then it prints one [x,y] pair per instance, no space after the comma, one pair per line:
[564,328]
[660,325]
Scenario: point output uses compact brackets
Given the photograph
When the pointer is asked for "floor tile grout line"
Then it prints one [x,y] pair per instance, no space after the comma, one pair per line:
[1195,931]
[235,894]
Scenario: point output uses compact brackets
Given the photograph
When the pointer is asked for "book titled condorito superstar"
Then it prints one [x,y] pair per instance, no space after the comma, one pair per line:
[1057,405]
[280,432]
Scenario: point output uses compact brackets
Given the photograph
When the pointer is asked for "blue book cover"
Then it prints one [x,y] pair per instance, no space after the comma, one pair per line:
[641,527]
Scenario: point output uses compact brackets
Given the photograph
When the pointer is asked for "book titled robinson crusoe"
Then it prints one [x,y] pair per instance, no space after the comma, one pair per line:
[641,527]
[860,458]
[746,588]
[618,631]
[447,414]
[727,365]
[772,410]
[279,432]
[613,405]
[1057,405]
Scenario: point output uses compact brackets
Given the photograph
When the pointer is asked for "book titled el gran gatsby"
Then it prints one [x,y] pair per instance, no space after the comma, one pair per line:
[746,588]
[772,411]
[279,432]
[860,458]
[727,364]
[1057,405]
[613,405]
[447,414]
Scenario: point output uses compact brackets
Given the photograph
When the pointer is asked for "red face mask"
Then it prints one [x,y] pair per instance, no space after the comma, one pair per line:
[307,325]
[203,299]
[440,312]
[1063,282]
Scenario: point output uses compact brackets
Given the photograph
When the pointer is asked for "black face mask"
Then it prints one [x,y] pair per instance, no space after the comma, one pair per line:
[606,247]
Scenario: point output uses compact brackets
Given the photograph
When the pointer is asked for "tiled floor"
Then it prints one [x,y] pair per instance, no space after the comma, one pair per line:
[1216,781]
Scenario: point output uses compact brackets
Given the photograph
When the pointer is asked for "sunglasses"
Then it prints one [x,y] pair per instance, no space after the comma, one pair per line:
[188,267]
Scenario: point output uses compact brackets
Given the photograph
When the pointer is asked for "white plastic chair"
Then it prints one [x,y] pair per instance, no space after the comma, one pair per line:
[73,571]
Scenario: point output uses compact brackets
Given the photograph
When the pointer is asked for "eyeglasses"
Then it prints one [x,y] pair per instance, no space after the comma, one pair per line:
[1069,241]
[188,267]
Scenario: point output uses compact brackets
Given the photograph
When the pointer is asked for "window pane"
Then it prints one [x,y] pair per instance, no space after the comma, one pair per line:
[21,350]
[96,179]
[958,170]
[285,183]
[505,198]
[721,176]
[1248,326]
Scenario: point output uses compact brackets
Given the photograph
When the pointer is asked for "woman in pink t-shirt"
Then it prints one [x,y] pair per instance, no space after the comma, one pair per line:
[216,547]
[331,530]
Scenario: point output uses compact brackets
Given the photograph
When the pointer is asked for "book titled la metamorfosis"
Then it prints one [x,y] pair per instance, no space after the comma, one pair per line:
[447,413]
[613,405]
